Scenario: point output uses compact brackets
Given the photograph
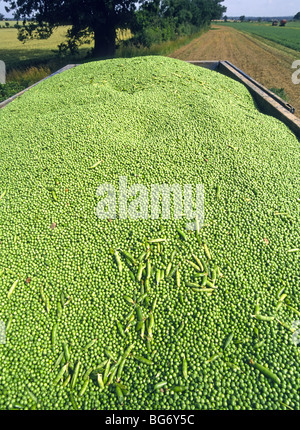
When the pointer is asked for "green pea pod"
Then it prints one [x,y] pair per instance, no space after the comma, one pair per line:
[192,284]
[129,256]
[266,372]
[84,387]
[177,278]
[180,328]
[178,388]
[184,368]
[54,196]
[59,359]
[257,345]
[173,255]
[228,340]
[118,260]
[279,292]
[194,265]
[131,274]
[60,374]
[157,276]
[139,313]
[75,374]
[148,267]
[159,385]
[121,329]
[11,290]
[212,358]
[129,300]
[66,381]
[109,355]
[66,351]
[168,269]
[87,373]
[3,194]
[199,262]
[112,375]
[264,317]
[74,404]
[127,351]
[90,344]
[143,360]
[181,234]
[106,371]
[100,381]
[206,251]
[140,272]
[139,325]
[156,240]
[120,395]
[120,369]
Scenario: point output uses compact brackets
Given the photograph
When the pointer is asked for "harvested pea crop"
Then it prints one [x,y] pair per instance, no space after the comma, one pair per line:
[141,313]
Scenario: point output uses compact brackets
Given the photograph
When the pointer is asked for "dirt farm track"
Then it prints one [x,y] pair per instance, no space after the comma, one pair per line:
[267,62]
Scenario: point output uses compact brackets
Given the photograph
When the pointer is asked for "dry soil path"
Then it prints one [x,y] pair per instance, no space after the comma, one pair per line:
[267,62]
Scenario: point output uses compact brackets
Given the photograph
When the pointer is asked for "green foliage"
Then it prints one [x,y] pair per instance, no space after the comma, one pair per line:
[154,22]
[280,92]
[10,89]
[157,22]
[98,19]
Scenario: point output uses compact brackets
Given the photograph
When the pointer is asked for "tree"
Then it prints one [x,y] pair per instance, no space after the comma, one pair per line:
[297,16]
[98,19]
[1,17]
[161,20]
[197,12]
[225,18]
[242,18]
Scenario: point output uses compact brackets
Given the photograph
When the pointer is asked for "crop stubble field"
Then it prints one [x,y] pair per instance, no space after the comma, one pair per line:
[267,62]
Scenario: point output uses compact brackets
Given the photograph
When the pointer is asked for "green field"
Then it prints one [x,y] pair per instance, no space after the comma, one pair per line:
[288,36]
[17,54]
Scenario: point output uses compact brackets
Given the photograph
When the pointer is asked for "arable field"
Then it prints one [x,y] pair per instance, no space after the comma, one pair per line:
[34,52]
[17,54]
[267,62]
[289,35]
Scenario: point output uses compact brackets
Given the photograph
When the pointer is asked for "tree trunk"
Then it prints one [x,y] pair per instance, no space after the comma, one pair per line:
[105,41]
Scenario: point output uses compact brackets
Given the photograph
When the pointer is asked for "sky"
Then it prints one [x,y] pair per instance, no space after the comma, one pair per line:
[256,8]
[260,8]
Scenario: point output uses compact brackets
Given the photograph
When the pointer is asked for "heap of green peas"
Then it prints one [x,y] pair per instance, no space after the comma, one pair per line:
[74,290]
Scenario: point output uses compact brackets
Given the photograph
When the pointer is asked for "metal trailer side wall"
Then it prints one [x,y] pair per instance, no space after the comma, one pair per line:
[268,102]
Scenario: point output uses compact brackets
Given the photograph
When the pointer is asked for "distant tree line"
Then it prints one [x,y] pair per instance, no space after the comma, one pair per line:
[158,21]
[151,21]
